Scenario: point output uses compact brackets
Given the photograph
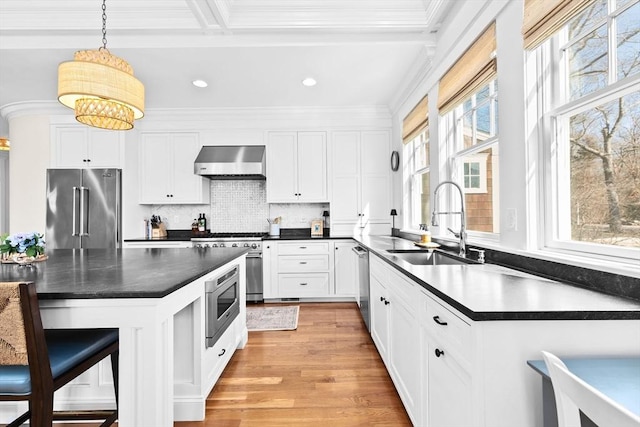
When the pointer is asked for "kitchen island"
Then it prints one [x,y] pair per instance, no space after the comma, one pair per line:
[155,298]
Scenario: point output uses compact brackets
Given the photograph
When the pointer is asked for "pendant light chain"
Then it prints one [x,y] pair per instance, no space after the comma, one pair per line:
[104,24]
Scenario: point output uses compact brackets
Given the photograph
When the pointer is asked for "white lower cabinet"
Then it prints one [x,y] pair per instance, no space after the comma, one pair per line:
[451,371]
[446,352]
[309,269]
[345,269]
[395,331]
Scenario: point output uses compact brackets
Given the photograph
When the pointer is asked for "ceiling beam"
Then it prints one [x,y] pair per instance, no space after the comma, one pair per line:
[212,14]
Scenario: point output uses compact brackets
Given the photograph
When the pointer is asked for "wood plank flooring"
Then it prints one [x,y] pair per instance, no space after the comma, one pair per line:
[327,372]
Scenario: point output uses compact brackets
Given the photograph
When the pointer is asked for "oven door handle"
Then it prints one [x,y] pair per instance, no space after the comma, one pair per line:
[254,255]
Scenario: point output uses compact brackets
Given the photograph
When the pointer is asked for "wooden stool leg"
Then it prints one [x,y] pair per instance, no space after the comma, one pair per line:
[115,372]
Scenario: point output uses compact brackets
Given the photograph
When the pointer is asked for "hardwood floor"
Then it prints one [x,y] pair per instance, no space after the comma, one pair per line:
[327,372]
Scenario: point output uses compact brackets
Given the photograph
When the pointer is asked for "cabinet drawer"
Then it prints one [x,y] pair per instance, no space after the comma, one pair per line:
[447,328]
[303,248]
[303,285]
[378,268]
[294,264]
[404,288]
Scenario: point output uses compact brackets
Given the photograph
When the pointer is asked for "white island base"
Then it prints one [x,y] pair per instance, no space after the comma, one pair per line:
[166,373]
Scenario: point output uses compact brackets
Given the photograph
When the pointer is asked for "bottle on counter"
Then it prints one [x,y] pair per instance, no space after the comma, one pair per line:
[146,228]
[202,223]
[195,225]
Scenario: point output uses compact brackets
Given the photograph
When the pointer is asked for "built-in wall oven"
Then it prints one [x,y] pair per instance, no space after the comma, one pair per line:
[222,304]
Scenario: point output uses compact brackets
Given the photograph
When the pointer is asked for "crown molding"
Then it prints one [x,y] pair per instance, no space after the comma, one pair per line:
[212,118]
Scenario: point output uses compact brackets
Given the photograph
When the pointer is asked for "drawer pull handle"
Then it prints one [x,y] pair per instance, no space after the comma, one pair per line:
[439,352]
[386,302]
[382,299]
[222,352]
[303,262]
[303,247]
[438,321]
[303,284]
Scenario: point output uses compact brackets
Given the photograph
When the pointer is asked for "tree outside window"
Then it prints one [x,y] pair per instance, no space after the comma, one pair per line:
[600,126]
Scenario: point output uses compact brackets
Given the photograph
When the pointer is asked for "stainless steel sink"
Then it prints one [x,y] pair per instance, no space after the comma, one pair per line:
[420,257]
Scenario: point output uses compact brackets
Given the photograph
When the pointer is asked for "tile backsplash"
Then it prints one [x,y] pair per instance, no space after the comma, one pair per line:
[239,205]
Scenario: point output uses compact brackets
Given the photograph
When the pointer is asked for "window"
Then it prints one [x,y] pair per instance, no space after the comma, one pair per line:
[473,156]
[416,152]
[594,158]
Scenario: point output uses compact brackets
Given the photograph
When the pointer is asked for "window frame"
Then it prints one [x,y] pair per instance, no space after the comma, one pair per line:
[456,154]
[554,112]
[414,172]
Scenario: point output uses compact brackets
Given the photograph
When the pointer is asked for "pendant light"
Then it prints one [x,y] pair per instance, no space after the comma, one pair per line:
[5,145]
[100,87]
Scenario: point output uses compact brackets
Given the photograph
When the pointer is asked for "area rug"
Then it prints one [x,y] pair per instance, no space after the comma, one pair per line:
[283,318]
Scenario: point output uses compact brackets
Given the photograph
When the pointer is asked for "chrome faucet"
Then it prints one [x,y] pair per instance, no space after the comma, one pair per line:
[462,235]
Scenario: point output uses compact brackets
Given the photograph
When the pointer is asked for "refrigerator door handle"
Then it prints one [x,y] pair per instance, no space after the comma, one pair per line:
[84,211]
[74,212]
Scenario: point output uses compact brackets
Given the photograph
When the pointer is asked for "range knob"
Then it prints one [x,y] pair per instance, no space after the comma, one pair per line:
[222,245]
[206,245]
[254,246]
[235,245]
[246,245]
[215,245]
[199,245]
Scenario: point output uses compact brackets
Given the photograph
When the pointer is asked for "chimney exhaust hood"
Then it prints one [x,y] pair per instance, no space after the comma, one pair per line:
[231,162]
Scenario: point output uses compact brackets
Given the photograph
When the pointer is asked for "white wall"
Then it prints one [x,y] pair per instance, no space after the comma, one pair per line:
[462,28]
[28,177]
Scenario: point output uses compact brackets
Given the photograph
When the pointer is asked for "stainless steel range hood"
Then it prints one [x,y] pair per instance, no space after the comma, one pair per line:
[231,162]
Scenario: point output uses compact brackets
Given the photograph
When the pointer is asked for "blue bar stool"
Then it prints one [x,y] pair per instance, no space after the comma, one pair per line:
[35,362]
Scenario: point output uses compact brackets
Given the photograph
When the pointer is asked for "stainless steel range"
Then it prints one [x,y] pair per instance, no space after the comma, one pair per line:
[253,241]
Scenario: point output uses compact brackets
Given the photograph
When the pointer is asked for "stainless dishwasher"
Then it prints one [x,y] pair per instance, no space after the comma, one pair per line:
[363,283]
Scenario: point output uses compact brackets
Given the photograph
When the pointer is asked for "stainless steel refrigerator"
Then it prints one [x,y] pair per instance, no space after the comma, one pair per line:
[84,208]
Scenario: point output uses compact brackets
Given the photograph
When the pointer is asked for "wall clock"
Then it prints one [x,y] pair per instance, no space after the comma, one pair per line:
[395,160]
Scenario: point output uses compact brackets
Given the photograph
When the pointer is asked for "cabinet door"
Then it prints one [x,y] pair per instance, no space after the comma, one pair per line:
[379,317]
[345,180]
[312,167]
[269,250]
[281,167]
[345,269]
[70,147]
[155,168]
[187,186]
[404,355]
[449,388]
[376,178]
[103,148]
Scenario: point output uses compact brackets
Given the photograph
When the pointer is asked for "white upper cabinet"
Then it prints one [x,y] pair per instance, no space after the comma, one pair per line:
[360,182]
[297,167]
[166,169]
[79,146]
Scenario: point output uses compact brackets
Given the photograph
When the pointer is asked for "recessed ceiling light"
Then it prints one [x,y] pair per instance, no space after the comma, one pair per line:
[200,83]
[309,81]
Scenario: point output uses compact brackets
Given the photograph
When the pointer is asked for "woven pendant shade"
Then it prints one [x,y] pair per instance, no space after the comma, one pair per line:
[5,145]
[102,90]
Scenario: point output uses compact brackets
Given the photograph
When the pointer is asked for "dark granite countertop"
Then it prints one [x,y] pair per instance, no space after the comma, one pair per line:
[118,273]
[491,292]
[161,239]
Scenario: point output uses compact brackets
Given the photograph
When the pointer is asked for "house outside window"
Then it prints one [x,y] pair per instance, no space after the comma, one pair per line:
[593,158]
[474,156]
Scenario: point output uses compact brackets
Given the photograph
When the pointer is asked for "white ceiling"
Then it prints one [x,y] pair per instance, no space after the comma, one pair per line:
[253,53]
